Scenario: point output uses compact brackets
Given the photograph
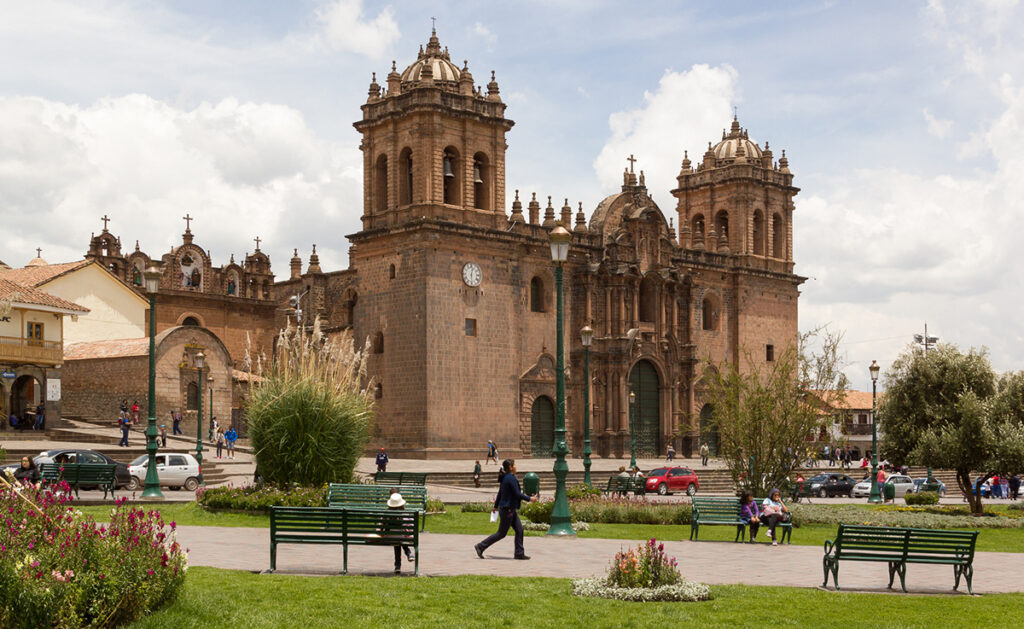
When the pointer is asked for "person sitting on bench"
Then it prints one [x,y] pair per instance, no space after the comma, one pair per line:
[773,512]
[750,514]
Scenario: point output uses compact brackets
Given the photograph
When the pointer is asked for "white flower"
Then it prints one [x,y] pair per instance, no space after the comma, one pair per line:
[682,591]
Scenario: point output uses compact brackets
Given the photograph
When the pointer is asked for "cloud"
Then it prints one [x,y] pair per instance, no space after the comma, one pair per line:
[490,38]
[343,29]
[680,114]
[937,127]
[242,169]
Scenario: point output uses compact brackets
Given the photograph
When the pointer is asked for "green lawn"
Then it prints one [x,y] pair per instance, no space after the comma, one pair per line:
[226,598]
[457,522]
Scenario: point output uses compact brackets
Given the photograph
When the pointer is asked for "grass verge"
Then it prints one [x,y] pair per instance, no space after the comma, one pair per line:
[226,598]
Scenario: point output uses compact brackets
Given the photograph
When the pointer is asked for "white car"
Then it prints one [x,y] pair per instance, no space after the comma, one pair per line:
[174,469]
[902,484]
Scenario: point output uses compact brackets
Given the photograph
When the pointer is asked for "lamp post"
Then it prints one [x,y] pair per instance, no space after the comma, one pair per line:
[587,337]
[209,381]
[632,434]
[560,518]
[152,488]
[928,342]
[875,489]
[200,363]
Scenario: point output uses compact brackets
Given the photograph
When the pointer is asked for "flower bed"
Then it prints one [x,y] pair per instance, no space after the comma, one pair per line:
[642,574]
[597,587]
[933,517]
[59,568]
[613,510]
[259,498]
[540,526]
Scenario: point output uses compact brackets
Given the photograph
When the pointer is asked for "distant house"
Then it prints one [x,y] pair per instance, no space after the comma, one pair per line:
[31,349]
[851,420]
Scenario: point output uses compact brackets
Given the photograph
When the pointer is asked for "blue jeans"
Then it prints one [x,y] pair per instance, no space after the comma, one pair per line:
[177,429]
[507,518]
[124,436]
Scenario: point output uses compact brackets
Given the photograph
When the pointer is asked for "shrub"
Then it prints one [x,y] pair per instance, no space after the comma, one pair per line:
[612,510]
[933,517]
[1015,506]
[647,566]
[435,505]
[923,498]
[59,568]
[259,498]
[309,420]
[538,510]
[478,507]
[582,491]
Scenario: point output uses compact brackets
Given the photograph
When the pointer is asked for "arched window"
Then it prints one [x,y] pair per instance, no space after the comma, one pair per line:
[758,233]
[481,182]
[722,224]
[380,184]
[192,397]
[349,309]
[190,321]
[778,237]
[405,177]
[537,295]
[452,174]
[378,343]
[648,299]
[391,272]
[709,313]
[379,392]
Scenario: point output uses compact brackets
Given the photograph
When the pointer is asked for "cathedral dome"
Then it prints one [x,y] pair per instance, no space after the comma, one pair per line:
[736,144]
[439,62]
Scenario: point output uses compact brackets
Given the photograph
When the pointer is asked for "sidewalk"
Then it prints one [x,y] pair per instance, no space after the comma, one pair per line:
[708,562]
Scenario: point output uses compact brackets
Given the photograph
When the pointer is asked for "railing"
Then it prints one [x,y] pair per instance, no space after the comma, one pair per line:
[15,349]
[857,429]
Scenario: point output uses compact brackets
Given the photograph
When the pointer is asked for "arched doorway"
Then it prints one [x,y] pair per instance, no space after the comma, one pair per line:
[542,427]
[26,395]
[708,430]
[644,381]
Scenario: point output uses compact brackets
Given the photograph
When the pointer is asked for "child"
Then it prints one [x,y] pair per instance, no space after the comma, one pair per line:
[163,435]
[396,502]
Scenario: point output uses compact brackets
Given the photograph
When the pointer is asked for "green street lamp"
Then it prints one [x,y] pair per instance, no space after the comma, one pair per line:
[587,337]
[875,489]
[632,434]
[209,381]
[200,363]
[560,519]
[152,487]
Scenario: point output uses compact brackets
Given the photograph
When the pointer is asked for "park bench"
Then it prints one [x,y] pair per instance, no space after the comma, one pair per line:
[345,526]
[901,546]
[76,475]
[400,478]
[723,511]
[376,497]
[625,485]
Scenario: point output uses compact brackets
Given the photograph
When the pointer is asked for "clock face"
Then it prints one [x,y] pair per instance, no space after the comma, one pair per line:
[471,274]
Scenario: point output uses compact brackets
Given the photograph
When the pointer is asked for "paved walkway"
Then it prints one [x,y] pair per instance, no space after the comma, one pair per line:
[708,562]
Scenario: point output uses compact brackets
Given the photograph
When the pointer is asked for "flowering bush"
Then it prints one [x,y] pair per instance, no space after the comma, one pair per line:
[260,498]
[59,568]
[923,498]
[581,491]
[646,566]
[684,591]
[540,526]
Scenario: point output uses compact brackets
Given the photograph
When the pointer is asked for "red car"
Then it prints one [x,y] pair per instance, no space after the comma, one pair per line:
[667,480]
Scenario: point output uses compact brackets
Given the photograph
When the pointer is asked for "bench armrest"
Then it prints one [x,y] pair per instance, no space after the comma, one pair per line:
[829,546]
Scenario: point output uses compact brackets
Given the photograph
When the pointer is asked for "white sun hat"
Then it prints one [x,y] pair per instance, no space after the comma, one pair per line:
[396,501]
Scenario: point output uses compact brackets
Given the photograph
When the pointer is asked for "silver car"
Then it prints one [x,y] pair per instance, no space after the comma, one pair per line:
[175,470]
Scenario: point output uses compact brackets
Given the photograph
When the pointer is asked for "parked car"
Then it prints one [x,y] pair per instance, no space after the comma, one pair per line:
[919,482]
[76,455]
[861,489]
[668,480]
[174,469]
[902,484]
[831,485]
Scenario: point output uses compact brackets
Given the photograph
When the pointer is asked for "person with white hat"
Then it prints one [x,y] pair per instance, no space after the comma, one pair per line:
[397,502]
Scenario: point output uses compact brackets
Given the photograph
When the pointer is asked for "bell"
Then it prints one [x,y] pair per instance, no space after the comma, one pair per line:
[476,173]
[448,167]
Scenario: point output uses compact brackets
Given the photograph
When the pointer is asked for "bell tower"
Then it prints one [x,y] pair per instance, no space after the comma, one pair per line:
[433,145]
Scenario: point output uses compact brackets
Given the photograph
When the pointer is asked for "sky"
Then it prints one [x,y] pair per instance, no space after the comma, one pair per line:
[903,124]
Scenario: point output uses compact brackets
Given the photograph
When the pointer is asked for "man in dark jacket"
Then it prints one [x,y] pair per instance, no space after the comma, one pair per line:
[506,503]
[382,461]
[1014,484]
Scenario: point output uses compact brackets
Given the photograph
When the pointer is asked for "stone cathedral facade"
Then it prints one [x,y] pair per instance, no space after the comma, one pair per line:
[456,292]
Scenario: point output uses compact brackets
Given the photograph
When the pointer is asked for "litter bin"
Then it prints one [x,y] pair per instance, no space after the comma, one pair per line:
[531,484]
[889,491]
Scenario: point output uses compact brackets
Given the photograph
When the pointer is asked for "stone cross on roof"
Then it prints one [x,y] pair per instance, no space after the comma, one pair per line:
[105,220]
[257,239]
[631,161]
[188,222]
[39,252]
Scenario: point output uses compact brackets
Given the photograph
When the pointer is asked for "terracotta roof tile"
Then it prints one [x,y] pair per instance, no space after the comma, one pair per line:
[116,348]
[36,275]
[22,293]
[855,400]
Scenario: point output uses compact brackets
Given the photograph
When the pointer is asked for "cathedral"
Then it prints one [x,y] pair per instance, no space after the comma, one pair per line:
[456,295]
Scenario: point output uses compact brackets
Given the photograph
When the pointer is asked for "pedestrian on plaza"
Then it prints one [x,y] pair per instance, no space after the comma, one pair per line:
[1013,484]
[704,452]
[176,423]
[230,437]
[40,411]
[670,455]
[476,473]
[506,505]
[382,461]
[163,435]
[880,479]
[997,486]
[124,406]
[492,452]
[773,511]
[213,427]
[135,412]
[828,455]
[750,514]
[402,528]
[220,442]
[126,425]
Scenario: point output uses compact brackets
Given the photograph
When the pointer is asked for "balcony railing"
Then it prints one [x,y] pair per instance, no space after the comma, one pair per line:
[13,349]
[857,429]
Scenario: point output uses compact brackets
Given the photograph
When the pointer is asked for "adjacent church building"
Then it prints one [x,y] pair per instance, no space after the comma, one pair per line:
[456,294]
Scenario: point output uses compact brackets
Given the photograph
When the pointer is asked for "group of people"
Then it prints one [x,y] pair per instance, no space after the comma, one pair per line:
[1002,486]
[31,420]
[226,438]
[771,512]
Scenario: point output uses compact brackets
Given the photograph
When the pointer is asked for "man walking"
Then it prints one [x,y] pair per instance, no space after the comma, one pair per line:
[126,425]
[704,452]
[176,423]
[382,461]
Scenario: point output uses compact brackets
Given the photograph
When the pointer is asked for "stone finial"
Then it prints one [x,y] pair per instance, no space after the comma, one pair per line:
[295,265]
[581,221]
[566,214]
[394,81]
[314,262]
[534,209]
[374,92]
[783,162]
[517,210]
[465,80]
[136,245]
[492,89]
[549,216]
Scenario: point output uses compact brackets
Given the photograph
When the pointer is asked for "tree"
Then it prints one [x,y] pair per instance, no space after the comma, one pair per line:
[944,408]
[766,414]
[309,418]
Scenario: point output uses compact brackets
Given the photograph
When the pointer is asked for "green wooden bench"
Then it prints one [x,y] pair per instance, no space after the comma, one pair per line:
[76,475]
[786,537]
[725,511]
[376,497]
[345,526]
[625,485]
[400,478]
[901,546]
